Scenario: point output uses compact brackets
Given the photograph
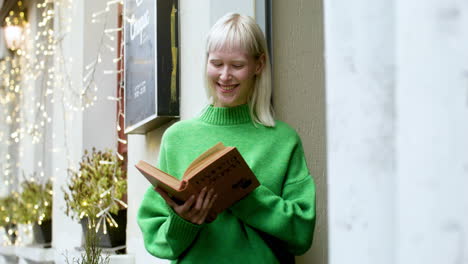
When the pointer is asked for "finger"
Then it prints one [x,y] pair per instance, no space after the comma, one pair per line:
[166,197]
[198,212]
[200,199]
[215,197]
[208,203]
[208,199]
[210,206]
[188,204]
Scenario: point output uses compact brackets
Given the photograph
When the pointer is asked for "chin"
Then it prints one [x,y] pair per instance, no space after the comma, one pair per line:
[225,104]
[224,100]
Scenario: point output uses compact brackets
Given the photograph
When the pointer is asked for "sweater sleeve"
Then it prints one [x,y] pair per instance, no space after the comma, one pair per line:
[290,216]
[166,235]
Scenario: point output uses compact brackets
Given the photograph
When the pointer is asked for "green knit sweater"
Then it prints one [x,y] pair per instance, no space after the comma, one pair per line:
[273,223]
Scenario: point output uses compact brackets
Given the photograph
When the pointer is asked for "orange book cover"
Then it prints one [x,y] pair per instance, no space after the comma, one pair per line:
[221,168]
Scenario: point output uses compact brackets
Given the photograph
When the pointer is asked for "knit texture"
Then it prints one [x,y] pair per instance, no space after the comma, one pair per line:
[273,223]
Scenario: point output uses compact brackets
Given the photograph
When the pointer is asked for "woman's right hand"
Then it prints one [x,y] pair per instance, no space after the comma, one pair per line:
[195,209]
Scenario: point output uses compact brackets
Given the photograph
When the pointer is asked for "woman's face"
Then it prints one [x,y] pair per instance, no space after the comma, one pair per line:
[232,76]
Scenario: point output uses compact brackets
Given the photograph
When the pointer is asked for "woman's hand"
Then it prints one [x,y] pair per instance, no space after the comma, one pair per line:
[195,209]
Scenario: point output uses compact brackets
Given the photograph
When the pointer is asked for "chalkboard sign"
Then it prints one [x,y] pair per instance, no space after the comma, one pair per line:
[151,64]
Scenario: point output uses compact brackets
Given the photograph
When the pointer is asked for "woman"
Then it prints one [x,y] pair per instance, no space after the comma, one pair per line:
[274,222]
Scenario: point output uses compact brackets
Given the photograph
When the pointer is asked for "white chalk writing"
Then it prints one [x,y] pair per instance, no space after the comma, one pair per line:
[139,26]
[139,89]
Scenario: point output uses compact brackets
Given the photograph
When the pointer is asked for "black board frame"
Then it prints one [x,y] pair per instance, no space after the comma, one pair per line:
[152,66]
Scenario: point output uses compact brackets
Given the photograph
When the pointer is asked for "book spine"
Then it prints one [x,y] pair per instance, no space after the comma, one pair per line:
[183,185]
[185,191]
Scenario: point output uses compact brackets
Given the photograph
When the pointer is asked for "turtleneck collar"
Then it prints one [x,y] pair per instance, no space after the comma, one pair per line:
[226,115]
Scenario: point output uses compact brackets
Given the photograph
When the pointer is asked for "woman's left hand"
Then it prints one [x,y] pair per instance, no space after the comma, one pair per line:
[195,209]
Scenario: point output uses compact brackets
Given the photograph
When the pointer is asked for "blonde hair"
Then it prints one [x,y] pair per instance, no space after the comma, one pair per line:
[239,31]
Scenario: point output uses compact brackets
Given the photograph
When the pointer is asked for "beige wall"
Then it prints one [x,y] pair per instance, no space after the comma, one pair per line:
[299,95]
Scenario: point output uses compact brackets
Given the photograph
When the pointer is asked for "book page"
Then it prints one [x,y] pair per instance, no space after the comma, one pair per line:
[215,149]
[208,161]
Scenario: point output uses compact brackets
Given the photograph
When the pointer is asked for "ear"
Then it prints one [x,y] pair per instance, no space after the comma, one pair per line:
[260,64]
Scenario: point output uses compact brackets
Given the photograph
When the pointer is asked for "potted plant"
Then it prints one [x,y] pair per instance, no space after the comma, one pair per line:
[35,207]
[94,194]
[92,252]
[9,216]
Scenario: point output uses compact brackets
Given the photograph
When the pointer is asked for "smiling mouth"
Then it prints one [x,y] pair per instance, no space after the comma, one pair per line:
[227,88]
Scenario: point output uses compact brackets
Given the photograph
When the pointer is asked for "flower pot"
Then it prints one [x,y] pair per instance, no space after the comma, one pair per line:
[115,236]
[10,230]
[43,233]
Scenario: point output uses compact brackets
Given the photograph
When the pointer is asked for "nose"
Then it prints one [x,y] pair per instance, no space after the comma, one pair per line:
[225,74]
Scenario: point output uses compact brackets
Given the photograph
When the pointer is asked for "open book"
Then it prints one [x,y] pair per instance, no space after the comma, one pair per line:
[220,167]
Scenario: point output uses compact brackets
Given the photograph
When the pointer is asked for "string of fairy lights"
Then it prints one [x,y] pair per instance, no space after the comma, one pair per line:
[109,35]
[37,74]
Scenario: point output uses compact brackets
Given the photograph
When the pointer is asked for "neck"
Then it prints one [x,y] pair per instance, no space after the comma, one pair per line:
[218,104]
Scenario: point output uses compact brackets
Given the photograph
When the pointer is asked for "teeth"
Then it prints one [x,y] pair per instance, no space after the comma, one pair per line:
[228,87]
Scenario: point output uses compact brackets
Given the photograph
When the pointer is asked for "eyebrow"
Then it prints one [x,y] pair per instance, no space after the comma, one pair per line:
[231,61]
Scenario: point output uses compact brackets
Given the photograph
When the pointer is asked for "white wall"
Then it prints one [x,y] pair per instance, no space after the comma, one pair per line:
[194,25]
[360,130]
[140,147]
[432,132]
[397,121]
[219,8]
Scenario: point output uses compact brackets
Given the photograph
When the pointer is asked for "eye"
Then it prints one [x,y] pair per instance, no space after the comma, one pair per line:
[237,66]
[216,63]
